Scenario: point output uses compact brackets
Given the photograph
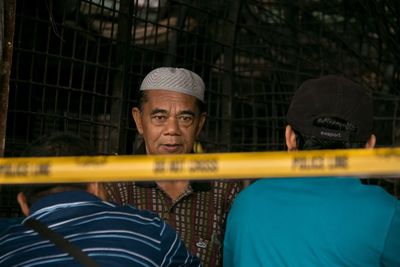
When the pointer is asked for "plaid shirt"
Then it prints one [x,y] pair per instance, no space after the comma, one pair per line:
[198,215]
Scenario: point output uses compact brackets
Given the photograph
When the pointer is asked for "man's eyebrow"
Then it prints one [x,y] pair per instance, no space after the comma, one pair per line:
[158,110]
[187,112]
[163,111]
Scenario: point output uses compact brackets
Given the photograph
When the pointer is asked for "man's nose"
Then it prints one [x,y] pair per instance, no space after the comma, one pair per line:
[172,126]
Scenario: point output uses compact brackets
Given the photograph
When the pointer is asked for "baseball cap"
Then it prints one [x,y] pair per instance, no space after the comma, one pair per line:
[174,79]
[331,96]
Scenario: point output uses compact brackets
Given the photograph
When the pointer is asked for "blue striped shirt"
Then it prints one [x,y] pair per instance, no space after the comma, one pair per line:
[111,235]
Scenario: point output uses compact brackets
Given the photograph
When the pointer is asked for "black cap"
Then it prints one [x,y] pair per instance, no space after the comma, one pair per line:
[332,96]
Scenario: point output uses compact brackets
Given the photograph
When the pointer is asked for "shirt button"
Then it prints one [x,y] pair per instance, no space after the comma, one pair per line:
[201,244]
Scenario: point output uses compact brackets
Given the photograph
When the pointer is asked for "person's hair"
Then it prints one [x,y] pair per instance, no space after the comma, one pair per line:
[55,145]
[142,98]
[306,142]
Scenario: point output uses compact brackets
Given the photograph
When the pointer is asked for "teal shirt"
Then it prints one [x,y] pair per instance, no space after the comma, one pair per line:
[313,222]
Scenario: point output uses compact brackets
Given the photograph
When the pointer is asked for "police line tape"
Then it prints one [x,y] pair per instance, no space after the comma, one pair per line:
[363,163]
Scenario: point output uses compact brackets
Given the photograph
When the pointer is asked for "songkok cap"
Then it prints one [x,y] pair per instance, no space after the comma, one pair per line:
[331,96]
[174,79]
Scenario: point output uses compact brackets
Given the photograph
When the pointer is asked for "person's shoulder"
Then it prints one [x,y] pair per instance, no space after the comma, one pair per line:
[379,195]
[130,212]
[133,219]
[377,200]
[253,192]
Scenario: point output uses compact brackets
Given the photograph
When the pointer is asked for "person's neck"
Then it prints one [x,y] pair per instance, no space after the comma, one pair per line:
[173,189]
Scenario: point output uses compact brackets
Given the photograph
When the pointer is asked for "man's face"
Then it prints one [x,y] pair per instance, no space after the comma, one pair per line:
[169,122]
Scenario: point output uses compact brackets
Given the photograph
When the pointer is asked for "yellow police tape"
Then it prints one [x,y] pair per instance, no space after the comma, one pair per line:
[364,163]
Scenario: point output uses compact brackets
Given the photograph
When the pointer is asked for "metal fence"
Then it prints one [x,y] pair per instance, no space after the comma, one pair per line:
[77,64]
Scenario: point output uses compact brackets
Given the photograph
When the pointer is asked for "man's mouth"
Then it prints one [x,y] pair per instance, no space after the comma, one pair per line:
[172,148]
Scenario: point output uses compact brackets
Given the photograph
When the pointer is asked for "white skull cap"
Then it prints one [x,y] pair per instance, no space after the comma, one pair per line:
[174,79]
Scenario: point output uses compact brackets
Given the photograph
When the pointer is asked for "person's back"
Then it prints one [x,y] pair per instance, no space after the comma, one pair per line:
[111,235]
[311,222]
[108,234]
[332,221]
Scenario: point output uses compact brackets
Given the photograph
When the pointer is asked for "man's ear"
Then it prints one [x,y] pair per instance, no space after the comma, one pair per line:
[136,114]
[97,189]
[290,138]
[23,204]
[203,116]
[371,141]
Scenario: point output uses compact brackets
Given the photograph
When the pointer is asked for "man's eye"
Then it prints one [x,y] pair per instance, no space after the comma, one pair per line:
[159,117]
[185,119]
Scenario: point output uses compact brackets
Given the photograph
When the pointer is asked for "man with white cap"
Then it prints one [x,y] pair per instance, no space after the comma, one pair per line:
[323,221]
[169,117]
